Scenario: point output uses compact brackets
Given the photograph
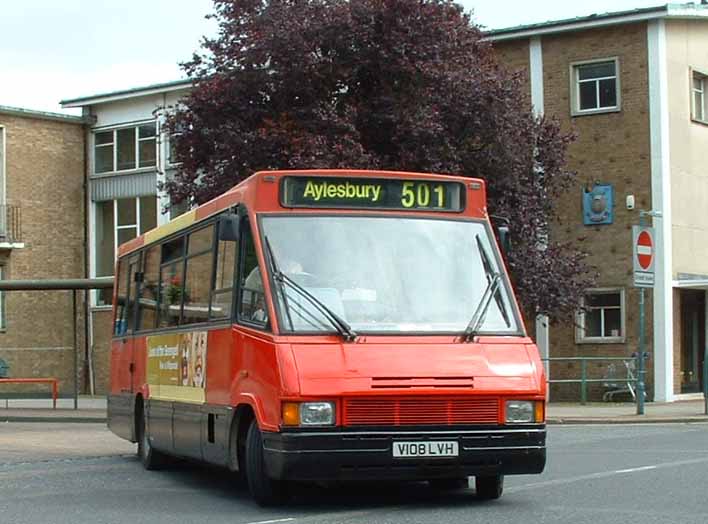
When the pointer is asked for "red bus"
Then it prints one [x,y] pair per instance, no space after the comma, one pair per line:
[328,325]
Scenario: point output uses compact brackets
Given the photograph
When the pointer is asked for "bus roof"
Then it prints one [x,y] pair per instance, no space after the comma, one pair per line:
[247,192]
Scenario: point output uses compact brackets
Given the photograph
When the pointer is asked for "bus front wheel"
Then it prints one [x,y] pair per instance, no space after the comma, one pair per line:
[265,490]
[489,487]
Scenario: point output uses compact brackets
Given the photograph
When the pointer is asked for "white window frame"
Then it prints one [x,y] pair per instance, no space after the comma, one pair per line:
[172,161]
[580,337]
[138,141]
[703,79]
[135,126]
[575,87]
[116,228]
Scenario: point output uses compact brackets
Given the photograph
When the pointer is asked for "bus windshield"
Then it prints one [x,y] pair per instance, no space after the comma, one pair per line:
[388,274]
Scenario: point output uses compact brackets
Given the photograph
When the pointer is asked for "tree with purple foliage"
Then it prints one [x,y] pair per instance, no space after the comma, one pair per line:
[384,84]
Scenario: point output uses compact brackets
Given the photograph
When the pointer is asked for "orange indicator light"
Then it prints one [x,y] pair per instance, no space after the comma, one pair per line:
[540,411]
[291,414]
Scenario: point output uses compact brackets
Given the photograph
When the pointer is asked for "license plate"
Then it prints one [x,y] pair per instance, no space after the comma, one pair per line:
[444,448]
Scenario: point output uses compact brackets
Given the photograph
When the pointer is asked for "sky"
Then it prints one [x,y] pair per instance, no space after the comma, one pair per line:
[53,50]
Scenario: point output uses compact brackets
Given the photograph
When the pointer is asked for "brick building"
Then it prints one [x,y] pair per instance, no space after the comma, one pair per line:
[42,232]
[634,85]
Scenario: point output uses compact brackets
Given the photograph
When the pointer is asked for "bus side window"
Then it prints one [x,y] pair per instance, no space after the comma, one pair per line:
[252,306]
[147,303]
[198,276]
[120,326]
[171,282]
[126,295]
[223,290]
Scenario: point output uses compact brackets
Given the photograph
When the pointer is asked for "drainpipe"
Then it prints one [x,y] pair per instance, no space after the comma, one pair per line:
[88,342]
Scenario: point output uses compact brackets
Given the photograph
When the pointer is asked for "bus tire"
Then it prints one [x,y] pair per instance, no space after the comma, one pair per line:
[236,462]
[265,490]
[150,458]
[489,487]
[449,484]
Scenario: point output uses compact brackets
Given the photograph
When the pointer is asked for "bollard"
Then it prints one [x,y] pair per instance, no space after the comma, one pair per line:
[583,382]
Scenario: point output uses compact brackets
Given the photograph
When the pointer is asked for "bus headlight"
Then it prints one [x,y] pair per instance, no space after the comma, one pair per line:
[308,414]
[317,414]
[519,411]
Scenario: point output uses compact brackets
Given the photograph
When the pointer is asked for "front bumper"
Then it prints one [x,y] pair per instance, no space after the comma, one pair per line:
[345,454]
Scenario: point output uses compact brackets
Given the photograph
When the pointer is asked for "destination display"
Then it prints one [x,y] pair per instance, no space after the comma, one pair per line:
[357,193]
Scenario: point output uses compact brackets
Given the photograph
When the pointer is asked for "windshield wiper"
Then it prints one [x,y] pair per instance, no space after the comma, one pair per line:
[342,327]
[491,291]
[481,312]
[275,270]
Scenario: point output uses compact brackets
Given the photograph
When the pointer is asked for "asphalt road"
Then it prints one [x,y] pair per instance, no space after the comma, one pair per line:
[81,473]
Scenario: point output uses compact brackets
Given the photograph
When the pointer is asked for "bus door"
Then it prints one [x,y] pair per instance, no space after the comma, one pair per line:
[220,350]
[123,346]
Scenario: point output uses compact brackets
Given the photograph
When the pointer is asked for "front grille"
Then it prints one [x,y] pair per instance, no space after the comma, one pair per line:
[420,411]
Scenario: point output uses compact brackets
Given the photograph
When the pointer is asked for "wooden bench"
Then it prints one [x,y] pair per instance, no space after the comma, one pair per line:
[54,382]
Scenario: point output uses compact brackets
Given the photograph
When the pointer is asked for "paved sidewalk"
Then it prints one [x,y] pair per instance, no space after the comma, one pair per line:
[90,409]
[93,409]
[626,413]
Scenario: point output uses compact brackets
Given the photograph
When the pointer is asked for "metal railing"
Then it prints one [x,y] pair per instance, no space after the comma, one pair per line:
[630,380]
[10,224]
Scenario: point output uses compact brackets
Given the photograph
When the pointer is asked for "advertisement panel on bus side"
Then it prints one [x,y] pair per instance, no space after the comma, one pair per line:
[176,366]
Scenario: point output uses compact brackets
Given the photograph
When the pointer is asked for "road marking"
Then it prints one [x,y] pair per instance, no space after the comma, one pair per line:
[289,519]
[632,470]
[604,474]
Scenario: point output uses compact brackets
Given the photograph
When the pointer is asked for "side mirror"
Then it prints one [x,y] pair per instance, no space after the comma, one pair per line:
[228,227]
[502,231]
[504,238]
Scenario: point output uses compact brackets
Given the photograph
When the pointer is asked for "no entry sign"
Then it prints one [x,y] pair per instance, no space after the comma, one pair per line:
[643,256]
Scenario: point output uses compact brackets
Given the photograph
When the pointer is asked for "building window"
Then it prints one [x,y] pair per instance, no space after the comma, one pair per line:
[117,222]
[596,86]
[172,148]
[602,317]
[125,148]
[698,91]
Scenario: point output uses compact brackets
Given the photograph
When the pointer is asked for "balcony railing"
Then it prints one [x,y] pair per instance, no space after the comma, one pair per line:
[10,224]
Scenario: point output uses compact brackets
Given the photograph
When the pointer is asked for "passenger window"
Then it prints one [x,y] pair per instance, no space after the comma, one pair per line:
[252,307]
[125,296]
[198,276]
[172,250]
[201,240]
[121,296]
[171,282]
[222,296]
[147,305]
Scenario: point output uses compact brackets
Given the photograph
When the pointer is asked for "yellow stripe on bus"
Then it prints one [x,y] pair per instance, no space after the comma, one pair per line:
[178,394]
[173,226]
